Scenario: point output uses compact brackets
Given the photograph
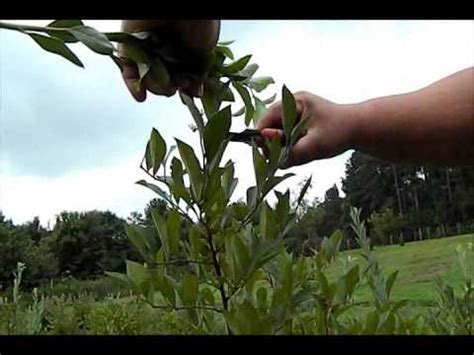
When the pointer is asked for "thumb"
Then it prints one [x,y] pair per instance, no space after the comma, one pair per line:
[130,77]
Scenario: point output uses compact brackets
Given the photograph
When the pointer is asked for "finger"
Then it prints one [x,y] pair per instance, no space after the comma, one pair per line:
[301,153]
[131,77]
[272,118]
[189,84]
[151,85]
[270,133]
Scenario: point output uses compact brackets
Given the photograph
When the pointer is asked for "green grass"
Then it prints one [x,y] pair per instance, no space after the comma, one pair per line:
[418,264]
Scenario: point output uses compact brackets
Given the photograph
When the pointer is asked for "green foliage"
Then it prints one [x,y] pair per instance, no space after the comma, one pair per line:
[454,314]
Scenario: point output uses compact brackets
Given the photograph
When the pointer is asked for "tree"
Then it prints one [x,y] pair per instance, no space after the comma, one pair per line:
[88,243]
[369,183]
[28,243]
[386,224]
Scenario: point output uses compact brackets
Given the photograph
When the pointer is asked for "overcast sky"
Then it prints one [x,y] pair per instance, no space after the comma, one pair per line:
[72,139]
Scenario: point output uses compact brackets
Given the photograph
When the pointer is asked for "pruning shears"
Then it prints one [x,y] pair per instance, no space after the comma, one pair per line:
[248,136]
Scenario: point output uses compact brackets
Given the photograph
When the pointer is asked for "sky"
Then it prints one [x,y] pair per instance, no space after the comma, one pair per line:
[72,138]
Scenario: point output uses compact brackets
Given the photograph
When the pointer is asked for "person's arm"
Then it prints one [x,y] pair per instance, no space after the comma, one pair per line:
[434,125]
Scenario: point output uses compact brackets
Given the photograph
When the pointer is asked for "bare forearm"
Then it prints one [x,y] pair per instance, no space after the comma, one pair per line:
[434,125]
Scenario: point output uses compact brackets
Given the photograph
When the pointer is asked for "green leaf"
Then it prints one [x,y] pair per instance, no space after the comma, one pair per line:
[240,210]
[148,163]
[268,223]
[143,69]
[324,284]
[192,167]
[158,75]
[262,298]
[93,39]
[252,193]
[225,43]
[266,251]
[390,281]
[298,131]
[336,239]
[172,227]
[195,241]
[261,83]
[119,277]
[170,151]
[143,241]
[283,206]
[241,255]
[260,167]
[189,102]
[216,132]
[269,100]
[177,185]
[236,77]
[228,180]
[157,150]
[226,51]
[227,94]
[389,324]
[65,23]
[167,288]
[135,51]
[352,278]
[137,240]
[211,98]
[65,36]
[56,46]
[139,276]
[303,190]
[289,226]
[189,289]
[214,193]
[162,231]
[249,108]
[289,112]
[260,110]
[236,66]
[274,146]
[208,296]
[249,70]
[244,319]
[372,322]
[154,188]
[274,181]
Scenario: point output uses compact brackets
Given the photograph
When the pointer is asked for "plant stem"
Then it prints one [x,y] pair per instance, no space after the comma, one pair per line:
[218,271]
[111,36]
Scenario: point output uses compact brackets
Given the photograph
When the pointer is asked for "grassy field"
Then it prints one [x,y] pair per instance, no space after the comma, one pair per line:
[419,263]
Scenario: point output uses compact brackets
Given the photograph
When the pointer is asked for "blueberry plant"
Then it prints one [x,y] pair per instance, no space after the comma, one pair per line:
[225,265]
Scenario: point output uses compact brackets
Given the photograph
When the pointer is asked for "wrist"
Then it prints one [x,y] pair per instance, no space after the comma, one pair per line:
[353,119]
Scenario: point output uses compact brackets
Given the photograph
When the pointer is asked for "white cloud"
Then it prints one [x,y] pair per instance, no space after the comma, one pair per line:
[109,188]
